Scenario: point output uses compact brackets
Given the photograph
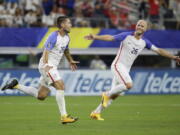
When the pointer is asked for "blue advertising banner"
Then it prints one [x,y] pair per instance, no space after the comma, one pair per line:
[21,37]
[94,82]
[36,37]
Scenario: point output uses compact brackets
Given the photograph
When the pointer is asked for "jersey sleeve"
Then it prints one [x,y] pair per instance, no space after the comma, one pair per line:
[148,44]
[51,41]
[121,36]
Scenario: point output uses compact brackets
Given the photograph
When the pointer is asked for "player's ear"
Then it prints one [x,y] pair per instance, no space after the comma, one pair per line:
[62,25]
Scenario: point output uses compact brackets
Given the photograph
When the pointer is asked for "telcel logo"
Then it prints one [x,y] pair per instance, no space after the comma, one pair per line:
[23,79]
[94,84]
[163,84]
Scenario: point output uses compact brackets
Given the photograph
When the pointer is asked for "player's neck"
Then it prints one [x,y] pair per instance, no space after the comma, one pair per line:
[62,32]
[137,36]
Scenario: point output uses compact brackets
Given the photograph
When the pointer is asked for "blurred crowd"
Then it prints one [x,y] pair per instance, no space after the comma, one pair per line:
[122,14]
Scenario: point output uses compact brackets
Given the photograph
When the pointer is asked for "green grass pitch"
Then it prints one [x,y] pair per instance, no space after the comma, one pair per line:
[128,115]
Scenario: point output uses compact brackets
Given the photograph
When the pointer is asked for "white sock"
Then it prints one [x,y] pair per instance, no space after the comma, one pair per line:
[109,102]
[28,90]
[100,108]
[117,90]
[61,102]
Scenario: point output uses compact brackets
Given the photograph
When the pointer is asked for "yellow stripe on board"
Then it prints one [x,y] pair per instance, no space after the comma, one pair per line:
[76,37]
[41,44]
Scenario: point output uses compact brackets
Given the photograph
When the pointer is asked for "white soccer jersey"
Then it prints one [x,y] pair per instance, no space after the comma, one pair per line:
[56,44]
[130,48]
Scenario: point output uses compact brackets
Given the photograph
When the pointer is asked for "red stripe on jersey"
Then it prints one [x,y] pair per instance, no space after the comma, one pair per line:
[51,77]
[119,53]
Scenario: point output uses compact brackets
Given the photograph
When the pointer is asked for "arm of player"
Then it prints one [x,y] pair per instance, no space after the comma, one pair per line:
[99,37]
[165,53]
[70,60]
[45,60]
[49,45]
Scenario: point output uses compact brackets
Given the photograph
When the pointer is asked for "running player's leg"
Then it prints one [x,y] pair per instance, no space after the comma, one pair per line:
[14,84]
[40,93]
[43,92]
[65,118]
[28,90]
[58,84]
[108,97]
[121,82]
[96,114]
[100,108]
[120,88]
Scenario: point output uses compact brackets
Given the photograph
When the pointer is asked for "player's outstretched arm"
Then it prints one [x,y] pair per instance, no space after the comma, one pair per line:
[99,37]
[165,53]
[70,60]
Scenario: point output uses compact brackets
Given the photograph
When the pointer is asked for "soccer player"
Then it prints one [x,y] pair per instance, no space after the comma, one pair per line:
[55,47]
[132,43]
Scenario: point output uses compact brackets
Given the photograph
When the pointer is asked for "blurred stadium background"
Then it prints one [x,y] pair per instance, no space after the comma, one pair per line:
[24,27]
